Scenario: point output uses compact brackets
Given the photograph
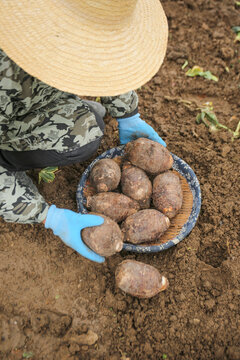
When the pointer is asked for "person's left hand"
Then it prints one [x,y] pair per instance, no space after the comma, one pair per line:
[134,127]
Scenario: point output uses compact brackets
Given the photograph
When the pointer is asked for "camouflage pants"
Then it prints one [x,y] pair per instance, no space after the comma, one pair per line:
[66,130]
[63,132]
[35,117]
[41,126]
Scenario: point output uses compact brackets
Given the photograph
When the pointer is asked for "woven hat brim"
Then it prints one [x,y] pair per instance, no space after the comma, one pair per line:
[58,46]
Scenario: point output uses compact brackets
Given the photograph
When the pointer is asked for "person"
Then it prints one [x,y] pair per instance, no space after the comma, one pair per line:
[97,49]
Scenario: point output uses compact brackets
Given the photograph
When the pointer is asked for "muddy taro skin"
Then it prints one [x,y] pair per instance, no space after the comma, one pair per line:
[139,279]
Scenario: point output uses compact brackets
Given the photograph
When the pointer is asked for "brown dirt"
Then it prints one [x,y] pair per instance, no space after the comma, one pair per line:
[54,304]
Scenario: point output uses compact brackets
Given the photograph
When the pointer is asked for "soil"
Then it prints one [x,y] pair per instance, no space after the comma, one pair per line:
[54,304]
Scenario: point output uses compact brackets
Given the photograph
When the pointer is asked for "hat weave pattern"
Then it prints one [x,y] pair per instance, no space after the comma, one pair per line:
[86,47]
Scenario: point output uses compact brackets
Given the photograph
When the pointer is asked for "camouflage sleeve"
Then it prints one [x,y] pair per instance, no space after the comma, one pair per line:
[20,200]
[121,105]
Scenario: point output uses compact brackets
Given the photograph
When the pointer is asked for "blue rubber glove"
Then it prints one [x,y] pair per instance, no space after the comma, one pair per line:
[133,127]
[68,224]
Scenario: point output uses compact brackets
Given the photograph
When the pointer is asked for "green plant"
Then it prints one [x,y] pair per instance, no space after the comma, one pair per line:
[184,65]
[209,119]
[47,174]
[198,71]
[236,133]
[236,29]
[27,355]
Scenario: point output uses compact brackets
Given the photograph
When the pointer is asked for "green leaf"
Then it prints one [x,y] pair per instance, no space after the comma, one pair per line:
[47,177]
[199,118]
[203,114]
[208,75]
[27,355]
[236,29]
[236,133]
[237,38]
[210,120]
[198,71]
[47,174]
[211,117]
[51,169]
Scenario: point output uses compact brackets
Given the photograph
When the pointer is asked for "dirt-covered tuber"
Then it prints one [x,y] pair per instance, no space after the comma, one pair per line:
[149,155]
[136,184]
[144,226]
[139,279]
[114,205]
[105,175]
[167,193]
[105,239]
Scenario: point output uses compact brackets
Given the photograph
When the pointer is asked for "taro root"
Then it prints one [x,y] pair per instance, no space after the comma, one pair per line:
[144,226]
[105,239]
[139,279]
[105,175]
[149,155]
[136,184]
[114,205]
[167,193]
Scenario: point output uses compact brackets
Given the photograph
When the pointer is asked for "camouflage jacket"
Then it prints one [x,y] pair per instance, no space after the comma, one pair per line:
[22,99]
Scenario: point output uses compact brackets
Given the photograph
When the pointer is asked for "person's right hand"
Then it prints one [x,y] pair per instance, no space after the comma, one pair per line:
[68,224]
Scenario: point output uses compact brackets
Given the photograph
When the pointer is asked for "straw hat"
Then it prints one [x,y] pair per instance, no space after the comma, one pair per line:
[86,47]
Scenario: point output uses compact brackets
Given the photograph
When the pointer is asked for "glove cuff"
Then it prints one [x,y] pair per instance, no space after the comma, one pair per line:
[53,217]
[129,119]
